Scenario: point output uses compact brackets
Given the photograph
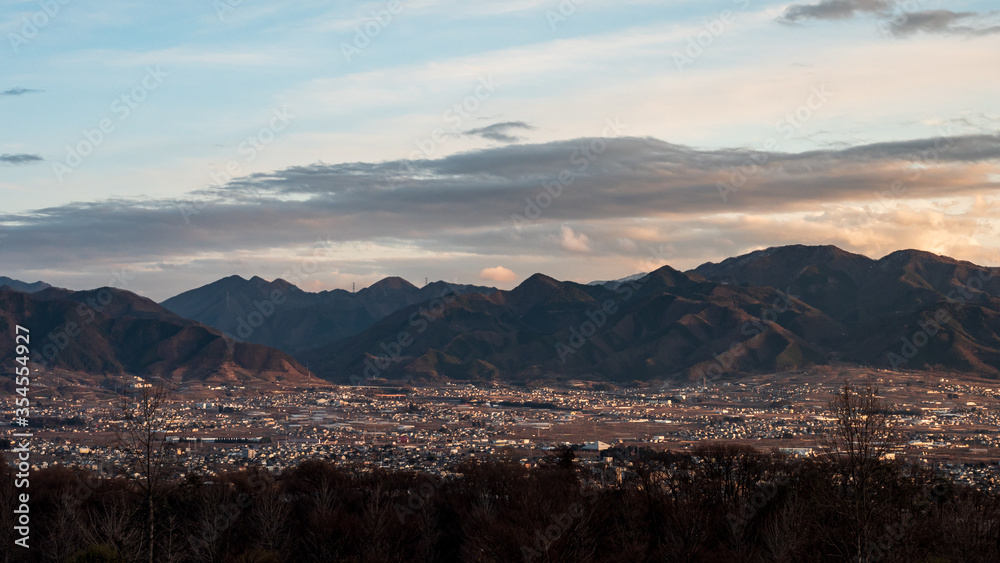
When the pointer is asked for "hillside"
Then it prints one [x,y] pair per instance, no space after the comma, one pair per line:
[666,325]
[280,315]
[910,309]
[21,286]
[111,332]
[780,308]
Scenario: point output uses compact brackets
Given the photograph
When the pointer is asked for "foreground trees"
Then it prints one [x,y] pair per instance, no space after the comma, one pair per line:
[716,503]
[860,444]
[863,432]
[141,440]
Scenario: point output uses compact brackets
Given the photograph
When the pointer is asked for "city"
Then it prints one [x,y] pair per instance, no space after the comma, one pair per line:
[948,423]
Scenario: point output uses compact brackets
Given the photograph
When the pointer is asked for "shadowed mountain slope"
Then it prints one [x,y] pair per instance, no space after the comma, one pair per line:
[108,332]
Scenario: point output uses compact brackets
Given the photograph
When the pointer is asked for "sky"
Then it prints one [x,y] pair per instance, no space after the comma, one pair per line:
[158,147]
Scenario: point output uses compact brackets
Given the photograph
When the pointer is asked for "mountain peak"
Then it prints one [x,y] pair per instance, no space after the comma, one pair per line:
[910,254]
[670,276]
[283,285]
[537,281]
[770,265]
[23,287]
[135,336]
[278,284]
[391,283]
[788,253]
[541,288]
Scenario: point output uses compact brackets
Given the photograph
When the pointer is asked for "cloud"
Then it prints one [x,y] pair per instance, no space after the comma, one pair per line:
[572,241]
[633,177]
[498,274]
[943,22]
[19,158]
[834,9]
[499,131]
[454,214]
[900,24]
[18,91]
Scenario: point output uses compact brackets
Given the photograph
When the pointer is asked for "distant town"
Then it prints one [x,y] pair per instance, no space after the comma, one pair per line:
[947,422]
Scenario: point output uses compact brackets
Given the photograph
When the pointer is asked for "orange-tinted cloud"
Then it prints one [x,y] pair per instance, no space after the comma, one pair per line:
[498,274]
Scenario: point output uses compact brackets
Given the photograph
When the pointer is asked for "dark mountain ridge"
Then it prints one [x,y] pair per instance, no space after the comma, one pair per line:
[109,331]
[780,308]
[280,315]
[21,286]
[886,303]
[667,324]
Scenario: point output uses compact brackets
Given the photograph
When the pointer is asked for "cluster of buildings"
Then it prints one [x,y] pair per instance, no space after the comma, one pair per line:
[212,429]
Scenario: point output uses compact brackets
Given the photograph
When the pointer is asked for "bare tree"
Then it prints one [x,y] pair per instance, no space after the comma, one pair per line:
[110,522]
[8,497]
[864,430]
[784,535]
[217,511]
[270,519]
[63,531]
[141,441]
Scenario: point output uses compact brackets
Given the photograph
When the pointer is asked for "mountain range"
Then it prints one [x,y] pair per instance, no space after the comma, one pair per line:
[281,315]
[109,331]
[781,308]
[22,286]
